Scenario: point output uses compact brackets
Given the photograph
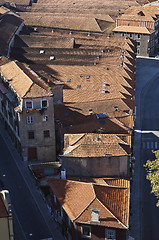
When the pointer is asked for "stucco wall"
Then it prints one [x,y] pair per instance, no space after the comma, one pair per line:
[96,167]
[4,229]
[46,150]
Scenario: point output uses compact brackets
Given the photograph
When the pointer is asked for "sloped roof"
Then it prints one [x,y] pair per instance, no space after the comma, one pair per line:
[113,202]
[133,29]
[3,10]
[82,23]
[136,18]
[15,76]
[115,181]
[25,83]
[9,24]
[97,145]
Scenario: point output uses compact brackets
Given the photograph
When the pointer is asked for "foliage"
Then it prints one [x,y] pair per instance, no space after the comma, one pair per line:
[152,168]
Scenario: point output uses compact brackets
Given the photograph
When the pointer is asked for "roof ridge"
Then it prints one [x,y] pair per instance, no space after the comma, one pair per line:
[112,213]
[86,207]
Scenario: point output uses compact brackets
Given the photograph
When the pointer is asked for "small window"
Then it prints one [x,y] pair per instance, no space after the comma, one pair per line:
[138,43]
[138,35]
[29,104]
[131,35]
[30,120]
[46,133]
[110,234]
[31,135]
[45,118]
[44,103]
[86,231]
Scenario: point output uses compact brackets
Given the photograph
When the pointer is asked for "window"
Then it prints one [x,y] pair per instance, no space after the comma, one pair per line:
[138,43]
[138,35]
[29,104]
[45,118]
[86,231]
[44,103]
[31,135]
[30,120]
[131,35]
[46,133]
[110,234]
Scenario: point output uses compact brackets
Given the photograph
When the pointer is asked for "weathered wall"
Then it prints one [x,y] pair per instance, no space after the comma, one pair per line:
[96,167]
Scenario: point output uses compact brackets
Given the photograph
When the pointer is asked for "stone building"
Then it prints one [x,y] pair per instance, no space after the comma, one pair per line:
[141,24]
[26,106]
[96,155]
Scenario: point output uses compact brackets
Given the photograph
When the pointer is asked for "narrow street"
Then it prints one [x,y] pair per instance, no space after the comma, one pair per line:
[32,219]
[145,219]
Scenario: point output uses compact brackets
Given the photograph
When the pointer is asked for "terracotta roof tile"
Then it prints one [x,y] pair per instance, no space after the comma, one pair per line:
[132,29]
[24,81]
[97,145]
[119,182]
[113,202]
[67,190]
[136,18]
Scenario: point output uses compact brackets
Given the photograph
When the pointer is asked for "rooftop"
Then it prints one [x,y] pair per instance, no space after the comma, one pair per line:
[113,202]
[24,81]
[133,29]
[97,145]
[9,24]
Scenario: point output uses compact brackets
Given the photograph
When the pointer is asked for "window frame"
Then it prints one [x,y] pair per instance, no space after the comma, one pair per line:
[82,231]
[107,230]
[43,101]
[30,136]
[44,132]
[30,119]
[45,118]
[26,101]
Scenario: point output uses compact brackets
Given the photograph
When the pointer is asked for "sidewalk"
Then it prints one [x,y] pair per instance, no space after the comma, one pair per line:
[42,206]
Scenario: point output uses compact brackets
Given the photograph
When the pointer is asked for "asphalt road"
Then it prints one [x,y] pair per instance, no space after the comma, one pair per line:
[31,224]
[147,125]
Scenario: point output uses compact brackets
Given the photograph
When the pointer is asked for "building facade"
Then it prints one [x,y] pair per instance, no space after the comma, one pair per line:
[141,25]
[27,110]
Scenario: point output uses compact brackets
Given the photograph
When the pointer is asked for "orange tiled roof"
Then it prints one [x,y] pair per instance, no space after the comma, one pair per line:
[3,10]
[115,181]
[133,29]
[113,202]
[64,22]
[97,145]
[136,18]
[24,85]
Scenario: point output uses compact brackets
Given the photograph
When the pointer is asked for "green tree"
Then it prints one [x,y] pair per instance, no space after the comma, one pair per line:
[152,168]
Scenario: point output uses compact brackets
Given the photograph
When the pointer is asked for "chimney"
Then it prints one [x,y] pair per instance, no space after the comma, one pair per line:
[63,173]
[95,215]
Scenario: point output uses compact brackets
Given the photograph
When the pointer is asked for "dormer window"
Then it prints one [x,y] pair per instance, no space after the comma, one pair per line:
[29,104]
[44,103]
